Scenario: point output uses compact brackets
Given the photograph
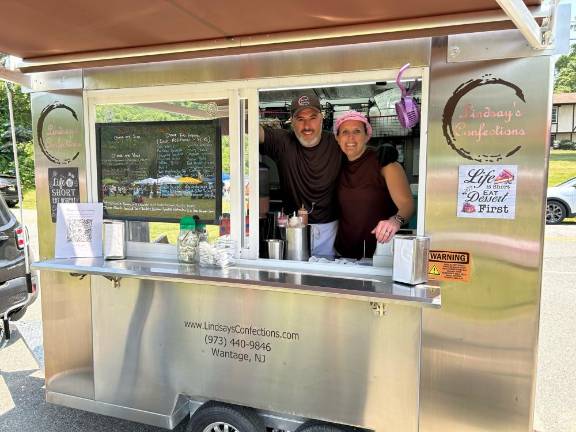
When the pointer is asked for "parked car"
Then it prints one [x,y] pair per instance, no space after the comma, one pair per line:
[15,284]
[561,202]
[9,189]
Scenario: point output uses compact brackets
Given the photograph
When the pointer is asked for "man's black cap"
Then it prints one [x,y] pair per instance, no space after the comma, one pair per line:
[306,100]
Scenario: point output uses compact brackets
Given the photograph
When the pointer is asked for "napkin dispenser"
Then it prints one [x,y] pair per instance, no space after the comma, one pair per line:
[410,259]
[114,243]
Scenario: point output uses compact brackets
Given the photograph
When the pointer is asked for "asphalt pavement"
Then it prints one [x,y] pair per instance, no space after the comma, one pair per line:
[23,408]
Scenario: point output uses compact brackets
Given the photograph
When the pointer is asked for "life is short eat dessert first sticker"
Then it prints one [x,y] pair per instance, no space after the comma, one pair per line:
[487,191]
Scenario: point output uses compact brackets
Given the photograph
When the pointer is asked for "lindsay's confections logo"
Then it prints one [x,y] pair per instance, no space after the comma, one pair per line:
[64,136]
[466,126]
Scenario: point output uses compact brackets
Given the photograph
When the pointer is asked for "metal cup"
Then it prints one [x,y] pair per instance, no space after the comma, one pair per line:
[275,249]
[297,243]
[113,242]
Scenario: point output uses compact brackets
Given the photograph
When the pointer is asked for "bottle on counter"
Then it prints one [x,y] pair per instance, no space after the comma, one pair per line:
[188,240]
[225,224]
[303,214]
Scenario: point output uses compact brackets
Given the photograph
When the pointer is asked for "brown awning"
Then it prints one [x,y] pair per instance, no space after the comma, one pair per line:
[38,30]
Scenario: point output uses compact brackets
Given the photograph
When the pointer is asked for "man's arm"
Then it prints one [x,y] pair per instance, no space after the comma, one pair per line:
[261,135]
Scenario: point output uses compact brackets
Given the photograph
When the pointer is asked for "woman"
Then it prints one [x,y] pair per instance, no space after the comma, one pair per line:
[374,198]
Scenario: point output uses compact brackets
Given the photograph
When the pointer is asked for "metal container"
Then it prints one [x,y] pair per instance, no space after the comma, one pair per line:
[275,249]
[410,259]
[297,243]
[384,255]
[114,243]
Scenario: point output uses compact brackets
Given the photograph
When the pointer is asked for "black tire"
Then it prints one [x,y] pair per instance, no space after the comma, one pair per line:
[555,212]
[317,426]
[11,204]
[17,314]
[213,417]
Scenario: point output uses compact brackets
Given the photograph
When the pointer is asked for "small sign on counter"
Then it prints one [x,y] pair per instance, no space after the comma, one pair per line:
[79,230]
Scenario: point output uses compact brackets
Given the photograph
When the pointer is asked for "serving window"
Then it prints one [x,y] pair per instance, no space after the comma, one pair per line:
[163,153]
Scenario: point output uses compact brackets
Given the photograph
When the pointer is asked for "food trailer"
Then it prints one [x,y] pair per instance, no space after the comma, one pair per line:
[282,344]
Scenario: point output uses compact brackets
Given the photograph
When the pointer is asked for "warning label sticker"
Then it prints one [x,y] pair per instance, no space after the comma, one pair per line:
[449,265]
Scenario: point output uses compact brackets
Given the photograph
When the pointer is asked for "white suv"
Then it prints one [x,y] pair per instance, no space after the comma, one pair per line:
[561,202]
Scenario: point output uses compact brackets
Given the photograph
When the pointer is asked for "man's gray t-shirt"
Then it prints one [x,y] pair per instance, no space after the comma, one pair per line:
[307,174]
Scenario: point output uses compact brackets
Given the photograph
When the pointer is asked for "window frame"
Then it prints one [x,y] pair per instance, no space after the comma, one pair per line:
[237,92]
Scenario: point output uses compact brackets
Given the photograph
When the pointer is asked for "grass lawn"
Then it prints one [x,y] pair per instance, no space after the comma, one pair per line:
[562,166]
[29,199]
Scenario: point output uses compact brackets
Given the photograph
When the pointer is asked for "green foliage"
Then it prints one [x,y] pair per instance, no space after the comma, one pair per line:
[566,145]
[25,163]
[566,73]
[23,123]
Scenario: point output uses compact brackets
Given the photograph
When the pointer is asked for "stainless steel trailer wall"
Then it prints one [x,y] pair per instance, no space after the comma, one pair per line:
[479,350]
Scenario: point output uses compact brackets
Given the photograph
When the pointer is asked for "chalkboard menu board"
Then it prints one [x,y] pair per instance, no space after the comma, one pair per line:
[160,171]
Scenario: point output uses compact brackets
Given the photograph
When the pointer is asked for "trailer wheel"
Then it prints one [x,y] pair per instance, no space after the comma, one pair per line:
[316,426]
[225,418]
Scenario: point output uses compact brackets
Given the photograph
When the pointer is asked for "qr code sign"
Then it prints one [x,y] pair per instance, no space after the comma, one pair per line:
[79,230]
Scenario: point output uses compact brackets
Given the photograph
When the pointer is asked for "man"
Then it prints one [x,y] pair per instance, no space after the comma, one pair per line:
[308,161]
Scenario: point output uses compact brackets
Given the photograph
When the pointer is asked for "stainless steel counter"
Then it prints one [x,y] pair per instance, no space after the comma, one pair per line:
[367,288]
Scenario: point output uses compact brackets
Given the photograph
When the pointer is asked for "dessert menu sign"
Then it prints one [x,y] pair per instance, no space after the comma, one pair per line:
[487,191]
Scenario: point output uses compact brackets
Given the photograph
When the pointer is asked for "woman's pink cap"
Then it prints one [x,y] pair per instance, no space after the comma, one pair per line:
[352,115]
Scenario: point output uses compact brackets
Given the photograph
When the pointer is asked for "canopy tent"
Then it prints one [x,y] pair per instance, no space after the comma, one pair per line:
[167,180]
[189,180]
[146,181]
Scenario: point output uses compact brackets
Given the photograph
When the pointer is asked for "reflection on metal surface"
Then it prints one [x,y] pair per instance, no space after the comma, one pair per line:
[381,55]
[251,346]
[334,285]
[168,421]
[67,326]
[63,137]
[479,349]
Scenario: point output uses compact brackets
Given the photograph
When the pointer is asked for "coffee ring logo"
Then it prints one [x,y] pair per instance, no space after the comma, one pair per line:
[40,130]
[448,115]
[303,101]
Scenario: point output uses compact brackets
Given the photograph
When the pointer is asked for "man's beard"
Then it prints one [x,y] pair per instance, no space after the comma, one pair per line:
[310,142]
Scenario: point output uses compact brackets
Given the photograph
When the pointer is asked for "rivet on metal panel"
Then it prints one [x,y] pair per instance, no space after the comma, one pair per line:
[454,52]
[379,309]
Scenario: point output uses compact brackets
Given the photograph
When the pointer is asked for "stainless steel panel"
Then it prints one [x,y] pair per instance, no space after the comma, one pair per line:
[331,358]
[508,44]
[350,286]
[66,309]
[479,349]
[56,81]
[63,146]
[67,327]
[368,56]
[505,44]
[166,421]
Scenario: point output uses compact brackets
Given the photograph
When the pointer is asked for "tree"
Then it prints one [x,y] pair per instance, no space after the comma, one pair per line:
[566,73]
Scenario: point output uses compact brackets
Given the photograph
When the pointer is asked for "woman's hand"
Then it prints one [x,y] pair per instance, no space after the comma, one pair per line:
[386,229]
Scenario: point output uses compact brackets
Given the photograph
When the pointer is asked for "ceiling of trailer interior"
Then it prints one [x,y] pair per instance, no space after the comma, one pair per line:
[34,29]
